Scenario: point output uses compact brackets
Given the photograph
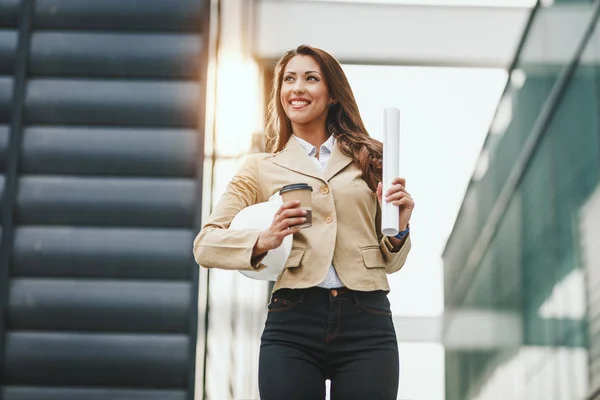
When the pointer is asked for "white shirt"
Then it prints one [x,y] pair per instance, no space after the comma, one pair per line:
[332,280]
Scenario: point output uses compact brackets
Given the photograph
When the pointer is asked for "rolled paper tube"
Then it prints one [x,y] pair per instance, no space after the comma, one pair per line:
[391,169]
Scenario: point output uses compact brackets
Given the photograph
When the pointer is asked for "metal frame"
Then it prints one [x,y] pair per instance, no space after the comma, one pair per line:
[195,322]
[12,167]
[211,38]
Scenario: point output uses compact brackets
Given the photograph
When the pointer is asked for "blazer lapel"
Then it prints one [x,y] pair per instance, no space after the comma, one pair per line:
[337,162]
[294,158]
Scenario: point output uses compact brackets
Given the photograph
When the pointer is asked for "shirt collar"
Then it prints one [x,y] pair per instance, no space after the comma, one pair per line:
[311,150]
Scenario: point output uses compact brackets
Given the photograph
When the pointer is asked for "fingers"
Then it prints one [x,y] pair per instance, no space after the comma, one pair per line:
[398,180]
[290,213]
[402,200]
[290,231]
[290,222]
[288,205]
[398,185]
[395,189]
[288,216]
[397,194]
[289,209]
[379,192]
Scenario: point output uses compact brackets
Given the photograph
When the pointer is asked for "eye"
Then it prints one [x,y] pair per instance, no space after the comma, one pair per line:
[288,78]
[313,78]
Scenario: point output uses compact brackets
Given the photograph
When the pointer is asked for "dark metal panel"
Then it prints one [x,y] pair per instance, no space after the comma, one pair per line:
[18,84]
[139,15]
[91,359]
[115,55]
[3,146]
[103,253]
[59,393]
[106,201]
[2,187]
[9,12]
[6,94]
[99,305]
[8,49]
[122,79]
[105,151]
[121,103]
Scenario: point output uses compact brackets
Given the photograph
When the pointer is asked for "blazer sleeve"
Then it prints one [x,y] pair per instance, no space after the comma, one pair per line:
[216,246]
[394,260]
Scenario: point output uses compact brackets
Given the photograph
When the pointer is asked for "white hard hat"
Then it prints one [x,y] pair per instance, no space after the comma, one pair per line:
[260,216]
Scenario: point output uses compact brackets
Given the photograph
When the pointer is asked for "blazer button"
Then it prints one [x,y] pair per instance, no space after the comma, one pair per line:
[324,190]
[329,219]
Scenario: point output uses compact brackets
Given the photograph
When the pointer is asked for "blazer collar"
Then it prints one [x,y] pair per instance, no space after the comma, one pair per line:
[294,158]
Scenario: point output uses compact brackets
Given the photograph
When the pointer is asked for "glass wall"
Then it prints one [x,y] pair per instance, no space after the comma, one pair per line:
[518,321]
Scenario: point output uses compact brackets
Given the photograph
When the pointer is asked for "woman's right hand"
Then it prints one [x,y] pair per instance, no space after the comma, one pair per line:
[288,215]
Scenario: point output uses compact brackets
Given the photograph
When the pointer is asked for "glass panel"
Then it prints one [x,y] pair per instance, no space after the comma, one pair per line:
[556,31]
[534,271]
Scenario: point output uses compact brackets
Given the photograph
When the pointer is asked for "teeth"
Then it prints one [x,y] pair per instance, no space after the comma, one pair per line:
[299,103]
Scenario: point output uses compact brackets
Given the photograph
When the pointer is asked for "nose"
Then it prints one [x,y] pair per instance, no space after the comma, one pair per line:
[298,86]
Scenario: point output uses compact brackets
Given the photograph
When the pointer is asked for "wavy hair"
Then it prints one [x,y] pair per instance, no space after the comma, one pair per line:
[343,118]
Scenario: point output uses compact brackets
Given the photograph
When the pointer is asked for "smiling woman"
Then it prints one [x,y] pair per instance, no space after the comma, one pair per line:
[329,316]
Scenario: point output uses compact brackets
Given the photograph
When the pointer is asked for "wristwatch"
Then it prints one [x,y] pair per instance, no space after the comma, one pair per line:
[403,234]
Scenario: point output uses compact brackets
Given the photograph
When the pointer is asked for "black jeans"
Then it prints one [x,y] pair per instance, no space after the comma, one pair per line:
[316,334]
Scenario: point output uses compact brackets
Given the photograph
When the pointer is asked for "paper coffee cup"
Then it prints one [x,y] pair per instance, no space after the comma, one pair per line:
[302,192]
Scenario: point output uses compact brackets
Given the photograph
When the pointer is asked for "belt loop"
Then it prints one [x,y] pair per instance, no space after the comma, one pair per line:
[302,295]
[355,297]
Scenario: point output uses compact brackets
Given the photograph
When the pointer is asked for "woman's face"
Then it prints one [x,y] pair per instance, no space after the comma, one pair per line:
[304,94]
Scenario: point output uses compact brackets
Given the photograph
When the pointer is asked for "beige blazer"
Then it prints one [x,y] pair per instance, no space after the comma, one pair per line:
[345,229]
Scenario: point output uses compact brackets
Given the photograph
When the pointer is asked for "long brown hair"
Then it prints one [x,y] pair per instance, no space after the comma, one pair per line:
[343,118]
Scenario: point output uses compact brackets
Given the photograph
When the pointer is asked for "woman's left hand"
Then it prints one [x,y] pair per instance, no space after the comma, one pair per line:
[398,196]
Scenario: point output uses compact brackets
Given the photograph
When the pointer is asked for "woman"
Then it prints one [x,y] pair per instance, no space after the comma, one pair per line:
[329,316]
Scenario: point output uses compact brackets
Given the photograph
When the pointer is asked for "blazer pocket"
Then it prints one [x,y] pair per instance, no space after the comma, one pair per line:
[295,257]
[372,257]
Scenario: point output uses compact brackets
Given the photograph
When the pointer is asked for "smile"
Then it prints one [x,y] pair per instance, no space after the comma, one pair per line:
[298,104]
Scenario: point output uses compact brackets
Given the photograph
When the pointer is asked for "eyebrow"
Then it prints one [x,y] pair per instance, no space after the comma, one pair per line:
[306,73]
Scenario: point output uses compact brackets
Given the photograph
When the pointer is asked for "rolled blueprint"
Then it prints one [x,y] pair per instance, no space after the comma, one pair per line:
[391,169]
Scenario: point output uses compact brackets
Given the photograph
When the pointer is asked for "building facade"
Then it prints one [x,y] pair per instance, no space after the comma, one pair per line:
[522,266]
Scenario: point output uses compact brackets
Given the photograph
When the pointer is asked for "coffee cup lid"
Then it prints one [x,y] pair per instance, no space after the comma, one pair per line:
[295,186]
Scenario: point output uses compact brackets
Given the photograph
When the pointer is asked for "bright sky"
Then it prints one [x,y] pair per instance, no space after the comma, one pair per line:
[445,115]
